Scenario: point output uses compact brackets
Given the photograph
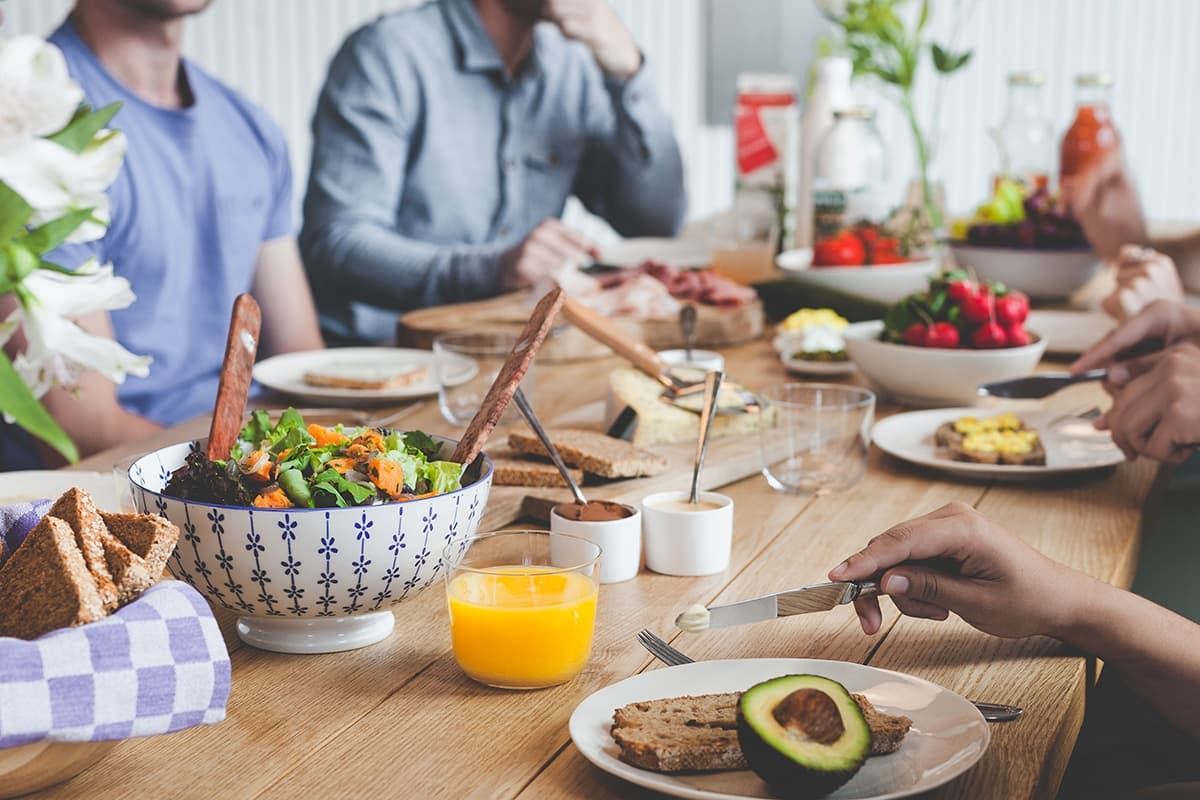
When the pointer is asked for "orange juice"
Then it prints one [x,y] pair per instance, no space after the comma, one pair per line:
[522,626]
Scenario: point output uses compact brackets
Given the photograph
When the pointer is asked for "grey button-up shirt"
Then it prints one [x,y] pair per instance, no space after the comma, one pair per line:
[429,161]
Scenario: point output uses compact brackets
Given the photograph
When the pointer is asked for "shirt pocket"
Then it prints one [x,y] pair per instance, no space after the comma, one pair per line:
[553,161]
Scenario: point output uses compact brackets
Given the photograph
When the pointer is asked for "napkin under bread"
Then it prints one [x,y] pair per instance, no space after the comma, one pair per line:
[157,665]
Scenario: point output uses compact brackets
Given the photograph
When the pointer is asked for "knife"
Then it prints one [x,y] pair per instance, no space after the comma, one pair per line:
[1035,387]
[805,600]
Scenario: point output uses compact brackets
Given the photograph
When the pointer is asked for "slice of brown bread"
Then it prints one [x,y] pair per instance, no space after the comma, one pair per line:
[77,509]
[947,436]
[699,734]
[46,585]
[514,471]
[680,734]
[150,536]
[127,568]
[592,452]
[887,730]
[354,376]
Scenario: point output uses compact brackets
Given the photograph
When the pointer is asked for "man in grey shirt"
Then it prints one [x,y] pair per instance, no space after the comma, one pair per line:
[447,140]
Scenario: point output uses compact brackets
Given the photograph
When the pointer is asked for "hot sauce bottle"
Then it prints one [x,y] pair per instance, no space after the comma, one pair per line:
[1092,135]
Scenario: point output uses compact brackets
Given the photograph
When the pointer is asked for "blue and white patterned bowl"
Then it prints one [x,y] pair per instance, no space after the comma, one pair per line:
[309,580]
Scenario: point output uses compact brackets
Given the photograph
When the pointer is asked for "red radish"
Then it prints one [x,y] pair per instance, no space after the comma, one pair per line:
[942,334]
[989,335]
[979,307]
[1018,336]
[1012,309]
[915,334]
[961,290]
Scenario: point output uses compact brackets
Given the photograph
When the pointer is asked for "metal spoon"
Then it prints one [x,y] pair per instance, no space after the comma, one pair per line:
[531,418]
[687,324]
[712,385]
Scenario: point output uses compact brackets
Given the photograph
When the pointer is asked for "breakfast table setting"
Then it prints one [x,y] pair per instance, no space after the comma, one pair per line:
[400,682]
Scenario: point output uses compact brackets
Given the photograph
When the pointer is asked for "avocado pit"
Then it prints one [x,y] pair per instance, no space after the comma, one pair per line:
[812,714]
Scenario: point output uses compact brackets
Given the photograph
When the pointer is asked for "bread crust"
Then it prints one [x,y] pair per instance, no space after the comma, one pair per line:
[593,452]
[77,509]
[46,584]
[149,536]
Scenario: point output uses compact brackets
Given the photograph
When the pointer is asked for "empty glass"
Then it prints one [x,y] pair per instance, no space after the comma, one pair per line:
[817,436]
[467,364]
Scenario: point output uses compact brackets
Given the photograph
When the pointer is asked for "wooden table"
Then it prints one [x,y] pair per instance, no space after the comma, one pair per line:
[399,719]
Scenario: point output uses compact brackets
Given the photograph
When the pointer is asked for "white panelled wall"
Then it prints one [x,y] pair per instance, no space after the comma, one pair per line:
[276,52]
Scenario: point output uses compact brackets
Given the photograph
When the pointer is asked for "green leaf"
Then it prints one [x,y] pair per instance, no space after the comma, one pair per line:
[46,237]
[20,262]
[18,402]
[257,428]
[423,442]
[937,303]
[443,476]
[14,212]
[84,126]
[924,18]
[946,61]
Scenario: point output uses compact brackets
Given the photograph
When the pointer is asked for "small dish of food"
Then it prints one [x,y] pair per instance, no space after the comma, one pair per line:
[810,342]
[682,538]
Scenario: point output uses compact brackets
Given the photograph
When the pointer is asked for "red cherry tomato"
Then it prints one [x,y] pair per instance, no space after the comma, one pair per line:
[942,334]
[843,250]
[961,290]
[979,307]
[915,334]
[1012,309]
[1017,336]
[989,335]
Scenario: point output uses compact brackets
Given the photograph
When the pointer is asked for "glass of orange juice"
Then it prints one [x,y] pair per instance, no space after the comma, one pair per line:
[522,607]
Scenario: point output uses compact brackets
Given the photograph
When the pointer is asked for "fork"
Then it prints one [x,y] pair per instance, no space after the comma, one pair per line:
[992,712]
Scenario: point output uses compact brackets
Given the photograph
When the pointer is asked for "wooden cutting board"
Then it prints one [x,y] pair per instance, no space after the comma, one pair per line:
[714,327]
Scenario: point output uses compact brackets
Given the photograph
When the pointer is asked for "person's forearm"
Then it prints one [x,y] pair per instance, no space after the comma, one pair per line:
[93,420]
[378,266]
[1185,252]
[1156,651]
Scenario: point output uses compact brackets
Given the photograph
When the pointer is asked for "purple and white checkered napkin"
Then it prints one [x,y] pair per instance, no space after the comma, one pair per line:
[18,519]
[155,666]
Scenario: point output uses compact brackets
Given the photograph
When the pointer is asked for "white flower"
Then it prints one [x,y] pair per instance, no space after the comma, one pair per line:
[55,180]
[58,350]
[37,95]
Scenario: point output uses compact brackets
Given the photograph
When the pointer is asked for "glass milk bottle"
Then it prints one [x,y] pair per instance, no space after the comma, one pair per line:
[1025,137]
[849,175]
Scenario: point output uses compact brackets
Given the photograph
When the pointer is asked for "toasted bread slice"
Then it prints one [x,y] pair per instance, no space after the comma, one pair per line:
[77,509]
[512,471]
[887,731]
[149,536]
[128,569]
[592,452]
[699,734]
[46,584]
[947,436]
[366,377]
[680,734]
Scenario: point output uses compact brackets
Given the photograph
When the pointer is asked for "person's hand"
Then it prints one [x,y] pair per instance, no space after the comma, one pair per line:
[1105,202]
[1143,276]
[542,253]
[1156,405]
[972,567]
[1160,324]
[595,24]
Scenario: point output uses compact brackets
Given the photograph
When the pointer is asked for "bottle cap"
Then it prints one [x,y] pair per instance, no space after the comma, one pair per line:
[855,112]
[1026,78]
[1097,80]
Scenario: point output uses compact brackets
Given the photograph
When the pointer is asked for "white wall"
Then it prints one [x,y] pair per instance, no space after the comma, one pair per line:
[276,51]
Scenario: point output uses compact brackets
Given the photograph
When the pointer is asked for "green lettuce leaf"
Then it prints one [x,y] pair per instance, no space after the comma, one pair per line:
[443,476]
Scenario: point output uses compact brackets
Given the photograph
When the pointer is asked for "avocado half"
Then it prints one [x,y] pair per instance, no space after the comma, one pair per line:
[802,734]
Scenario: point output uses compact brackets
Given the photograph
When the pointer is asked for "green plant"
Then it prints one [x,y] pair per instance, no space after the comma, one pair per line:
[885,45]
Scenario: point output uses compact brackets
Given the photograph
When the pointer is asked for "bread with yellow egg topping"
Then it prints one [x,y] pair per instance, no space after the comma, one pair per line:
[1002,439]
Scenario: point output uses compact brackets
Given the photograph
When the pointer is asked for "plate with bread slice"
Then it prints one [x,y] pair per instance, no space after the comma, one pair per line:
[720,730]
[1017,443]
[362,376]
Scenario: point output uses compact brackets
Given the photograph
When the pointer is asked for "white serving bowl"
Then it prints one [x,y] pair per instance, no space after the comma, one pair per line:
[1041,274]
[886,283]
[927,376]
[309,580]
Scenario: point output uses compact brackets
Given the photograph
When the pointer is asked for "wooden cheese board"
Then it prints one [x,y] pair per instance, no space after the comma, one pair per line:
[714,327]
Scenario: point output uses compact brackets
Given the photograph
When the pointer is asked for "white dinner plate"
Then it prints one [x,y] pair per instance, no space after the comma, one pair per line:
[39,484]
[818,369]
[1072,444]
[678,253]
[1070,333]
[285,373]
[948,735]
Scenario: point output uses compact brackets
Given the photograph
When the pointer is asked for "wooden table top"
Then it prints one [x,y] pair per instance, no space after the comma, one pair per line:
[399,719]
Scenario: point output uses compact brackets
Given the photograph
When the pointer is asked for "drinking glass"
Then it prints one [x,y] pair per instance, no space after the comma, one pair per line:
[816,436]
[522,606]
[467,364]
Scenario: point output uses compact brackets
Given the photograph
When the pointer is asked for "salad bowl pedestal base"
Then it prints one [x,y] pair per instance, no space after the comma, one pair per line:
[322,635]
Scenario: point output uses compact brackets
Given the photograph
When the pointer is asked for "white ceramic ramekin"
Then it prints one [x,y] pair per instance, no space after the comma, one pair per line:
[687,542]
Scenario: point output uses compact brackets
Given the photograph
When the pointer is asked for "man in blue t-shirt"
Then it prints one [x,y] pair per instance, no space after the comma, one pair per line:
[201,211]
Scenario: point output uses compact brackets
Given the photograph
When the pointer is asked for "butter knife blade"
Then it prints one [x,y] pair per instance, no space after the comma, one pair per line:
[805,600]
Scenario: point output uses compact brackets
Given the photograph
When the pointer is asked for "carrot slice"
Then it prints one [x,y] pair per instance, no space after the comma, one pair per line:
[342,465]
[263,473]
[387,475]
[272,497]
[326,436]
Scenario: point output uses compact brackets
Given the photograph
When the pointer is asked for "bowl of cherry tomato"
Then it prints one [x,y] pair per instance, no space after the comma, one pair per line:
[864,260]
[938,346]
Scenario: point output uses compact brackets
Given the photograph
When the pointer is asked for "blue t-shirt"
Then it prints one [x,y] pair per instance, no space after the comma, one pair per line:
[201,190]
